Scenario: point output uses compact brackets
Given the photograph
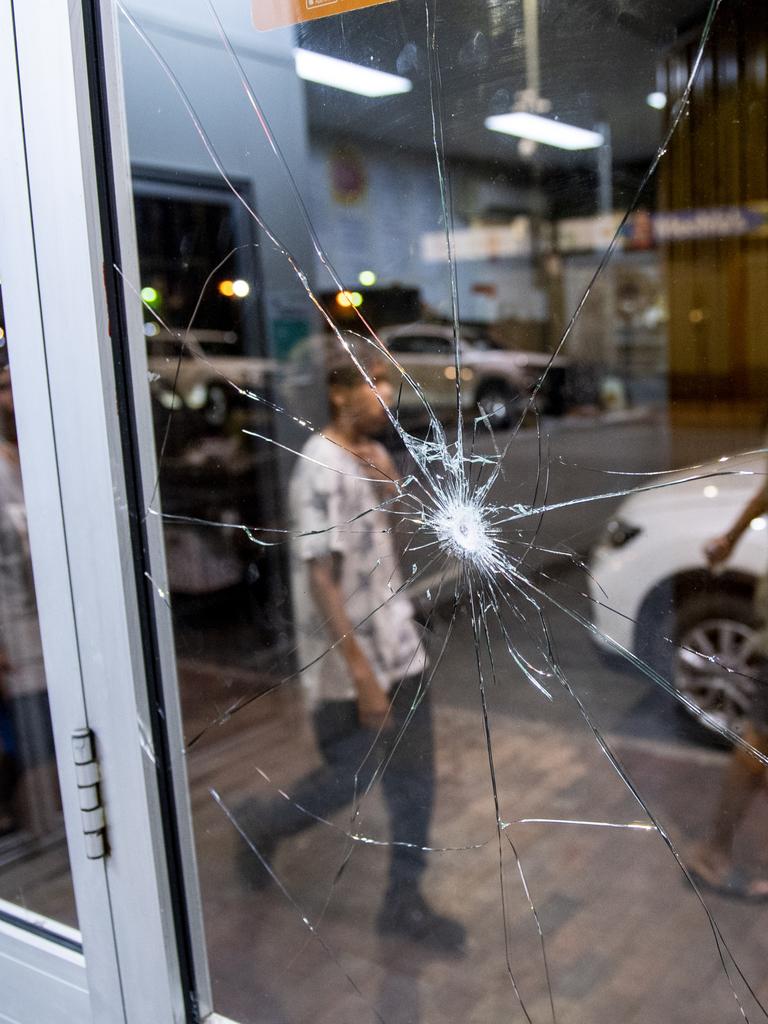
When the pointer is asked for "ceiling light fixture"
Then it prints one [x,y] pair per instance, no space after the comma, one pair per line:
[343,74]
[544,130]
[657,100]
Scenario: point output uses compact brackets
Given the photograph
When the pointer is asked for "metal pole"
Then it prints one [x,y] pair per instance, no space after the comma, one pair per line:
[604,170]
[531,28]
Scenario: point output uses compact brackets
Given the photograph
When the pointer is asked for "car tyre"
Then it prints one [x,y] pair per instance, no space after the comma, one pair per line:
[722,625]
[500,404]
[216,409]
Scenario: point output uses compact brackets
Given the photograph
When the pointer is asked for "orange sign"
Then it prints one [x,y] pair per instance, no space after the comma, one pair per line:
[269,14]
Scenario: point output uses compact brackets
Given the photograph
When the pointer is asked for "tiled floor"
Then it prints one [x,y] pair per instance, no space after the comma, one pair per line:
[626,938]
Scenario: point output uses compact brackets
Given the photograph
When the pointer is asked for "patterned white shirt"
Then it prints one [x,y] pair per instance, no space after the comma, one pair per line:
[335,511]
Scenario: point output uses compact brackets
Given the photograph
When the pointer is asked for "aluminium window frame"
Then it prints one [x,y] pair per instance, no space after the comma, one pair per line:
[87,460]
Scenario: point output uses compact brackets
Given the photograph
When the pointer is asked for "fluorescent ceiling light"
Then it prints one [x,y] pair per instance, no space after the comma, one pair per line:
[544,130]
[657,100]
[343,74]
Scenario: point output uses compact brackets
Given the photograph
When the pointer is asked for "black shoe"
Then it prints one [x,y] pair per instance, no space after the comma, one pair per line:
[412,917]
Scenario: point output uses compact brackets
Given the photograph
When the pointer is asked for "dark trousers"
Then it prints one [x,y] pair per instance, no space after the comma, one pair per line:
[407,781]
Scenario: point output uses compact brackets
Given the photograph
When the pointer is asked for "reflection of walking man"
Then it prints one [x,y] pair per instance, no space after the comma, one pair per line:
[345,585]
[711,862]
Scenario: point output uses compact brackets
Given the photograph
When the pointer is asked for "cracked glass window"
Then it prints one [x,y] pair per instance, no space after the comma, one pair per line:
[455,326]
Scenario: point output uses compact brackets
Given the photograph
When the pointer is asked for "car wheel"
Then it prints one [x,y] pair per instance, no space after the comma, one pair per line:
[216,407]
[716,633]
[499,403]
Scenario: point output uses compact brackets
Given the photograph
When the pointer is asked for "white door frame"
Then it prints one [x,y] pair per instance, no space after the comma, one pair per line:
[138,907]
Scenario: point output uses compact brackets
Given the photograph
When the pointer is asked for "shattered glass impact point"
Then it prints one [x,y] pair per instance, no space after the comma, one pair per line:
[462,531]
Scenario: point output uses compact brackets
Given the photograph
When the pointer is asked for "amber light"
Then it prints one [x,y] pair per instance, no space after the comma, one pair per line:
[347,299]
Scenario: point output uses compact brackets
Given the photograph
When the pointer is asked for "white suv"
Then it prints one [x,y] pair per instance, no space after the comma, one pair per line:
[650,568]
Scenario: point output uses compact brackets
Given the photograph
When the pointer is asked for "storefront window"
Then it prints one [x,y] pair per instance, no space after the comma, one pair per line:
[454,326]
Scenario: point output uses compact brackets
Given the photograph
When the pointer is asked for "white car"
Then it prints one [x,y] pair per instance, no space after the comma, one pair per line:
[649,566]
[496,382]
[186,376]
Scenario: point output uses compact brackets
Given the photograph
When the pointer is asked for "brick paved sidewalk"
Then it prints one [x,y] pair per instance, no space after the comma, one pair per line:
[626,937]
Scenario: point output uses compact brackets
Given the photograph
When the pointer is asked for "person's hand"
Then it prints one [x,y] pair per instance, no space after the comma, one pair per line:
[717,550]
[372,702]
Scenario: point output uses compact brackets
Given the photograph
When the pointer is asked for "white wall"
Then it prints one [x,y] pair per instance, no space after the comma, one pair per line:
[382,231]
[162,136]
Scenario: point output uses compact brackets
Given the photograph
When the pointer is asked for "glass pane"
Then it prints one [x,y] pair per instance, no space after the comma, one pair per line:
[34,864]
[455,322]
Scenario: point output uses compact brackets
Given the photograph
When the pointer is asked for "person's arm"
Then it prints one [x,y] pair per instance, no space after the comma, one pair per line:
[718,549]
[372,701]
[378,460]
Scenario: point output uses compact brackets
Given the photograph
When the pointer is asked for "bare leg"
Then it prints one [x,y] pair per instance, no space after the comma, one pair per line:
[743,778]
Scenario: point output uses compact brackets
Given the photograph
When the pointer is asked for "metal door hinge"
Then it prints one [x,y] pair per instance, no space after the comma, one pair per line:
[88,778]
